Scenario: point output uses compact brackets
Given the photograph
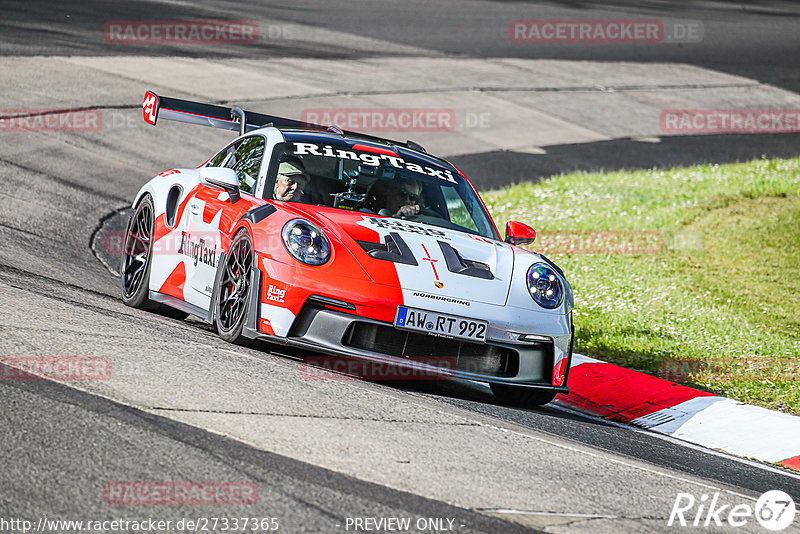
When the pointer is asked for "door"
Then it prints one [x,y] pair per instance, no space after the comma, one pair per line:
[212,215]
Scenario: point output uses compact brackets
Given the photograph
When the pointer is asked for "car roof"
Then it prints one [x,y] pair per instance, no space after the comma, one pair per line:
[349,139]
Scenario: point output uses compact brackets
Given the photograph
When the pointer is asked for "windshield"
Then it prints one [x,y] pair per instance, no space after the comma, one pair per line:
[378,181]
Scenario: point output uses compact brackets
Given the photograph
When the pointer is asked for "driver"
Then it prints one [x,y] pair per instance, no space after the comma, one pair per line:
[290,182]
[402,198]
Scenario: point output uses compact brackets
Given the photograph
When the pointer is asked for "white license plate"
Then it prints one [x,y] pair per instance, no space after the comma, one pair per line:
[440,324]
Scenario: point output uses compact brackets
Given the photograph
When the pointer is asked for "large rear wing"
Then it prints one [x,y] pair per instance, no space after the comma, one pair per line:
[235,119]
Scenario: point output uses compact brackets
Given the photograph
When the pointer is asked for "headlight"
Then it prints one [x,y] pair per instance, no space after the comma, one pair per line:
[545,286]
[305,242]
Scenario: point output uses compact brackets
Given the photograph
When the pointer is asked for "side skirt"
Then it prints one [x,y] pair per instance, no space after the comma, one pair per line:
[178,304]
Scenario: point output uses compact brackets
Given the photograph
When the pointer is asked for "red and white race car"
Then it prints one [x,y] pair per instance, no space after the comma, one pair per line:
[348,245]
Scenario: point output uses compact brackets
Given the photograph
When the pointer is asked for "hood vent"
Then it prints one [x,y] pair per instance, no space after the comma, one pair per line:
[457,264]
[393,249]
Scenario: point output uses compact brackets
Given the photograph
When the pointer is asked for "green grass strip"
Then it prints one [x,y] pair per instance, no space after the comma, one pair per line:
[692,273]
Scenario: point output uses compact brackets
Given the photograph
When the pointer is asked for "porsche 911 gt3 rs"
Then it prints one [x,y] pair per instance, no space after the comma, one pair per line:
[288,235]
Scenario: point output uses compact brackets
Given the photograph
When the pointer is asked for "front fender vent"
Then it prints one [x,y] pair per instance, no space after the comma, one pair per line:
[393,249]
[457,264]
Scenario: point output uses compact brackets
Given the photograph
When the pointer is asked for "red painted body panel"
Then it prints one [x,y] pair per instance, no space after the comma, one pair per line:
[350,274]
[175,282]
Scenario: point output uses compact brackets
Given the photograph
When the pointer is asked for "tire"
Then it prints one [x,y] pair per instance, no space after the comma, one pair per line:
[137,257]
[137,260]
[233,292]
[521,397]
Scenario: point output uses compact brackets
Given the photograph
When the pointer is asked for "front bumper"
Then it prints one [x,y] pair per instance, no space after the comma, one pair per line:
[505,358]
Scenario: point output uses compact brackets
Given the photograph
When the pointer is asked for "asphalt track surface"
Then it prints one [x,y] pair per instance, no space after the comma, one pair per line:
[756,40]
[61,443]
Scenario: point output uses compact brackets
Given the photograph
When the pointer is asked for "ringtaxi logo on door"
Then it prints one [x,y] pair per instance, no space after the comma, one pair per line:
[774,510]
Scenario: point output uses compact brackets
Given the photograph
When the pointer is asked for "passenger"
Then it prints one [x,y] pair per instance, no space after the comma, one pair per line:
[402,198]
[290,182]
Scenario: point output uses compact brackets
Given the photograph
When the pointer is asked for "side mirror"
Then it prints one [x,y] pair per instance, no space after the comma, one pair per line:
[221,178]
[518,233]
